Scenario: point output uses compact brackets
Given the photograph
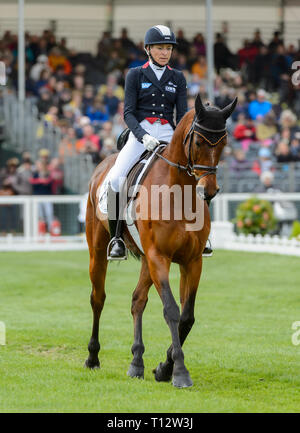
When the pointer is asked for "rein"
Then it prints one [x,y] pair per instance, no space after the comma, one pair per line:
[191,168]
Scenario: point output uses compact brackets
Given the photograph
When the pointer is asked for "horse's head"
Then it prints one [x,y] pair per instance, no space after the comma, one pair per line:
[205,142]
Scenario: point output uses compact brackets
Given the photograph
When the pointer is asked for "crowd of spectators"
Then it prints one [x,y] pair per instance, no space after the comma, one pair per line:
[83,96]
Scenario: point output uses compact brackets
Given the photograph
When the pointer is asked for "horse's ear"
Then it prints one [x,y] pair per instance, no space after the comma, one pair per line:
[228,110]
[200,109]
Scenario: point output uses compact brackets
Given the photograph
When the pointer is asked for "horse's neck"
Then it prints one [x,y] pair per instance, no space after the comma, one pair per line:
[175,149]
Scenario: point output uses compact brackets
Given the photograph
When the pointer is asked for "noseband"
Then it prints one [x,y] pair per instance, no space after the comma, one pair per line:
[191,168]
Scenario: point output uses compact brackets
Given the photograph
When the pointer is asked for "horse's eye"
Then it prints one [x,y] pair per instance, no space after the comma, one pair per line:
[199,140]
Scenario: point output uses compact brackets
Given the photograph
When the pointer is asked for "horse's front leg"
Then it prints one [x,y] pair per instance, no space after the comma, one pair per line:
[189,281]
[139,301]
[159,270]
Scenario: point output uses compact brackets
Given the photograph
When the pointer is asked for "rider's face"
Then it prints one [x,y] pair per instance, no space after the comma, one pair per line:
[161,53]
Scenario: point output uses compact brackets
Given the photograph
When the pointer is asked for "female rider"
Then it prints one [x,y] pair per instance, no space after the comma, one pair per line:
[152,92]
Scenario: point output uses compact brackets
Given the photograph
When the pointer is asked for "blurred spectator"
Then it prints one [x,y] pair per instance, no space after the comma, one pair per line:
[90,143]
[247,54]
[76,103]
[106,131]
[200,68]
[104,45]
[67,146]
[260,106]
[63,47]
[45,101]
[267,128]
[25,171]
[245,131]
[179,61]
[240,163]
[199,44]
[295,147]
[127,44]
[283,152]
[9,185]
[42,81]
[183,45]
[275,41]
[112,83]
[79,82]
[9,179]
[223,56]
[267,180]
[265,159]
[42,64]
[56,58]
[42,185]
[109,147]
[88,98]
[68,113]
[288,122]
[57,176]
[118,121]
[257,40]
[111,101]
[98,113]
[261,73]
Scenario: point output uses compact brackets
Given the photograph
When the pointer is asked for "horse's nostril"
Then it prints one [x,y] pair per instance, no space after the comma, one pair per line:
[210,196]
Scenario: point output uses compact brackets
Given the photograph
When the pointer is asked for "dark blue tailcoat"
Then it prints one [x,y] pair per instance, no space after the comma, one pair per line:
[146,96]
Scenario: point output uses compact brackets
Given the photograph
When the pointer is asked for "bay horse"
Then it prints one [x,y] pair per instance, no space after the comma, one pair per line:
[190,158]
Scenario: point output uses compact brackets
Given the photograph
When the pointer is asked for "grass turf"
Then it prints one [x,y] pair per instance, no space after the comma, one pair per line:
[239,353]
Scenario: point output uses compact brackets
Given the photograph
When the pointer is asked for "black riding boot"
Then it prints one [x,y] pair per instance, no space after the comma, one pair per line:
[208,251]
[116,249]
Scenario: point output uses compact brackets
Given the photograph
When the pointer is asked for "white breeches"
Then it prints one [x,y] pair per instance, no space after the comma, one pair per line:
[133,149]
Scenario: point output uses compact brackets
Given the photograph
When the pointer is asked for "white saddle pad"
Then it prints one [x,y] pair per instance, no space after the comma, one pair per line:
[129,209]
[102,203]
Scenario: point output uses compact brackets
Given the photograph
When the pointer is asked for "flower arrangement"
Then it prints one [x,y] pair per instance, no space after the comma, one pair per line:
[255,216]
[296,231]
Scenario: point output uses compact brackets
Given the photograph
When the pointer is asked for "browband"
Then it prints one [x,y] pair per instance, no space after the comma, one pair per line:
[209,130]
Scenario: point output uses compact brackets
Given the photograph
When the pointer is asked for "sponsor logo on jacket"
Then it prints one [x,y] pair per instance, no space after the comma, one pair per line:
[146,85]
[170,89]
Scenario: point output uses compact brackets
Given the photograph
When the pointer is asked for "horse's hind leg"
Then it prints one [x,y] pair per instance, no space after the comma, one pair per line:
[139,301]
[98,266]
[190,275]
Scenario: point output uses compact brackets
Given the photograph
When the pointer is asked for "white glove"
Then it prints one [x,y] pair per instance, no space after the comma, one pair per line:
[149,142]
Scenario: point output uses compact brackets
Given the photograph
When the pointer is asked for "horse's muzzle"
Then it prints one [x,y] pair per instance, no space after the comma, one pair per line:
[208,195]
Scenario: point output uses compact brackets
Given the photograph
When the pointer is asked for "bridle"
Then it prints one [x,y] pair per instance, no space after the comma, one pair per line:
[191,168]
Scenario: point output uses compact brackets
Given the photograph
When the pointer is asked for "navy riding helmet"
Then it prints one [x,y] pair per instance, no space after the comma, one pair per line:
[160,35]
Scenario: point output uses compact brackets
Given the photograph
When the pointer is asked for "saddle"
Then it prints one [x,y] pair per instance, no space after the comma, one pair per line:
[134,179]
[123,138]
[140,169]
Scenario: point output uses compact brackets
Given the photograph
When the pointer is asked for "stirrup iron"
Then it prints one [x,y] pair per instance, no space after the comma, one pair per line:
[111,258]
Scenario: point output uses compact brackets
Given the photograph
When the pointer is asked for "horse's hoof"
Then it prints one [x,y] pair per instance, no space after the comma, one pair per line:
[163,373]
[182,381]
[135,371]
[92,365]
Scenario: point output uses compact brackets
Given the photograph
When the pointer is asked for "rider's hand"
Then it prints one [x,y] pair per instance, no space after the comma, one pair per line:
[149,142]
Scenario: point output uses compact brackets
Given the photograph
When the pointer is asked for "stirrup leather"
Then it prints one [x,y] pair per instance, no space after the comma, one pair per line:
[209,250]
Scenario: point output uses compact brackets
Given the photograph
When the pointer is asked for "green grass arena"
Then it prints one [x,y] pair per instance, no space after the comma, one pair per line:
[239,353]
